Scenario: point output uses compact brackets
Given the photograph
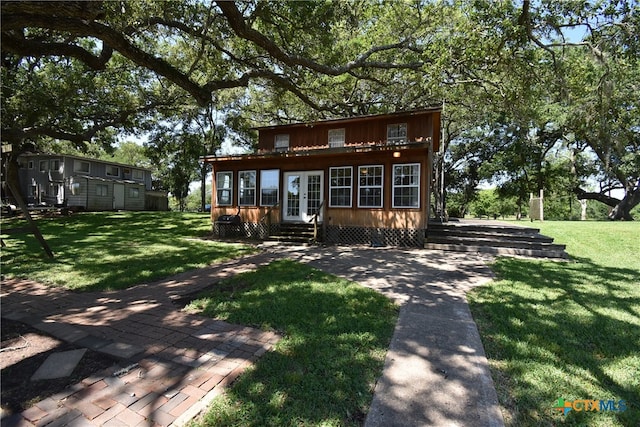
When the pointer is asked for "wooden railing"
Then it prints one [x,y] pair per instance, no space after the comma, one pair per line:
[267,217]
[315,221]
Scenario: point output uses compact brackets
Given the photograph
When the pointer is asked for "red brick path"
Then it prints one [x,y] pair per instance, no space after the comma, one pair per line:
[177,362]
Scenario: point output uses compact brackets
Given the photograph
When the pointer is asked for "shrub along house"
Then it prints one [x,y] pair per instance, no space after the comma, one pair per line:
[357,180]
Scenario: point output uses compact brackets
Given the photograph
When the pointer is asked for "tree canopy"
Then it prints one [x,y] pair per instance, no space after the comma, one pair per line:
[520,81]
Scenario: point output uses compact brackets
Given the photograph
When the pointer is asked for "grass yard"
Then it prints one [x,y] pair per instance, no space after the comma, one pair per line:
[113,250]
[566,330]
[323,371]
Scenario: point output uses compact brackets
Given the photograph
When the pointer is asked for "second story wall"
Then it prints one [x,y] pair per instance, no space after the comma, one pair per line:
[371,130]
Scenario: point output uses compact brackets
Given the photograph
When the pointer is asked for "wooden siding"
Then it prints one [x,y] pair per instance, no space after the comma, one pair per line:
[371,130]
[324,160]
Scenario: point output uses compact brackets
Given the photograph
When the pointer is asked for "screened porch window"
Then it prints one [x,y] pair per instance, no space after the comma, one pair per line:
[406,186]
[340,184]
[370,186]
[224,188]
[247,188]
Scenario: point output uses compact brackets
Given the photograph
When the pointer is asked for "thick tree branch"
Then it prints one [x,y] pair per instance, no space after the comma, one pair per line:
[26,47]
[240,27]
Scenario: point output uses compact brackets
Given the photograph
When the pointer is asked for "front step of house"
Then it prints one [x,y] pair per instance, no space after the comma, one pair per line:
[493,238]
[295,233]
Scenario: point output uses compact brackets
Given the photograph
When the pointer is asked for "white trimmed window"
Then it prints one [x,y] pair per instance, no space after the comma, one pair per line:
[102,190]
[340,185]
[247,188]
[54,165]
[224,188]
[397,132]
[282,142]
[370,179]
[336,138]
[406,186]
[81,167]
[113,171]
[269,187]
[138,174]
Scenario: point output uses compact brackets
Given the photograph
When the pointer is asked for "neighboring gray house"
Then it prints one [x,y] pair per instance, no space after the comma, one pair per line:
[89,184]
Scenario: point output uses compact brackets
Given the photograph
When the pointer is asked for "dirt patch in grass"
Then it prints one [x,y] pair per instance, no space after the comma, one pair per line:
[24,349]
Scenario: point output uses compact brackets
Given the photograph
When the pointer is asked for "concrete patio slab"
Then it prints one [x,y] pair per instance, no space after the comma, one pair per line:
[59,365]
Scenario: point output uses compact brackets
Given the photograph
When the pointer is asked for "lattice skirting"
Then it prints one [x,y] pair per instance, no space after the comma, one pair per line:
[246,230]
[335,234]
[374,236]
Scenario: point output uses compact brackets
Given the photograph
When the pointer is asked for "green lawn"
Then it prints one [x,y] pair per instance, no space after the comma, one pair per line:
[566,330]
[113,250]
[322,373]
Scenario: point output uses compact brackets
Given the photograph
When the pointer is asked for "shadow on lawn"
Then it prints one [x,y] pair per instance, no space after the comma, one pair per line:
[572,324]
[114,250]
[333,349]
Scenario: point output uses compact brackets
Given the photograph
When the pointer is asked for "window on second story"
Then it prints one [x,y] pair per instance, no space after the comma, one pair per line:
[80,166]
[336,138]
[397,132]
[44,165]
[54,165]
[30,164]
[282,142]
[138,174]
[113,171]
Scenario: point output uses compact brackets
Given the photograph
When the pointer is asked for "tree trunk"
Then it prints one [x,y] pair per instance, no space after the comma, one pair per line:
[621,209]
[13,184]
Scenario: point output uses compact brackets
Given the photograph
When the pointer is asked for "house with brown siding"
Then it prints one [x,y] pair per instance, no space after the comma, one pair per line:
[356,180]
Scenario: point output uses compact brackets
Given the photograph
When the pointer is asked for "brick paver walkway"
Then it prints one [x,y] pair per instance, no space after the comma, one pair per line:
[173,363]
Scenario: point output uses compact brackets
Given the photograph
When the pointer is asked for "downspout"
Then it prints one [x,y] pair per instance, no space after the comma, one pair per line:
[86,205]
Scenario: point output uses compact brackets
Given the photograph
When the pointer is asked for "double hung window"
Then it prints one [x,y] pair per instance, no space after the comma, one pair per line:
[406,186]
[224,188]
[370,179]
[340,185]
[247,188]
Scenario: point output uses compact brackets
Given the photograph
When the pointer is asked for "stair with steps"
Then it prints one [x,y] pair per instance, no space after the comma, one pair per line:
[296,233]
[493,238]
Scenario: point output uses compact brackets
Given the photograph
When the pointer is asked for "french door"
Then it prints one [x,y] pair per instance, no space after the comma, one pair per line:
[303,197]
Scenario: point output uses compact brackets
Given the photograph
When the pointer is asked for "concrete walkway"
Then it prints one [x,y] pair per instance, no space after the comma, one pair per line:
[435,372]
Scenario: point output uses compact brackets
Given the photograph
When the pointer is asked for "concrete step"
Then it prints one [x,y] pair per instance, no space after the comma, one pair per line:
[534,253]
[494,238]
[498,235]
[477,240]
[509,229]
